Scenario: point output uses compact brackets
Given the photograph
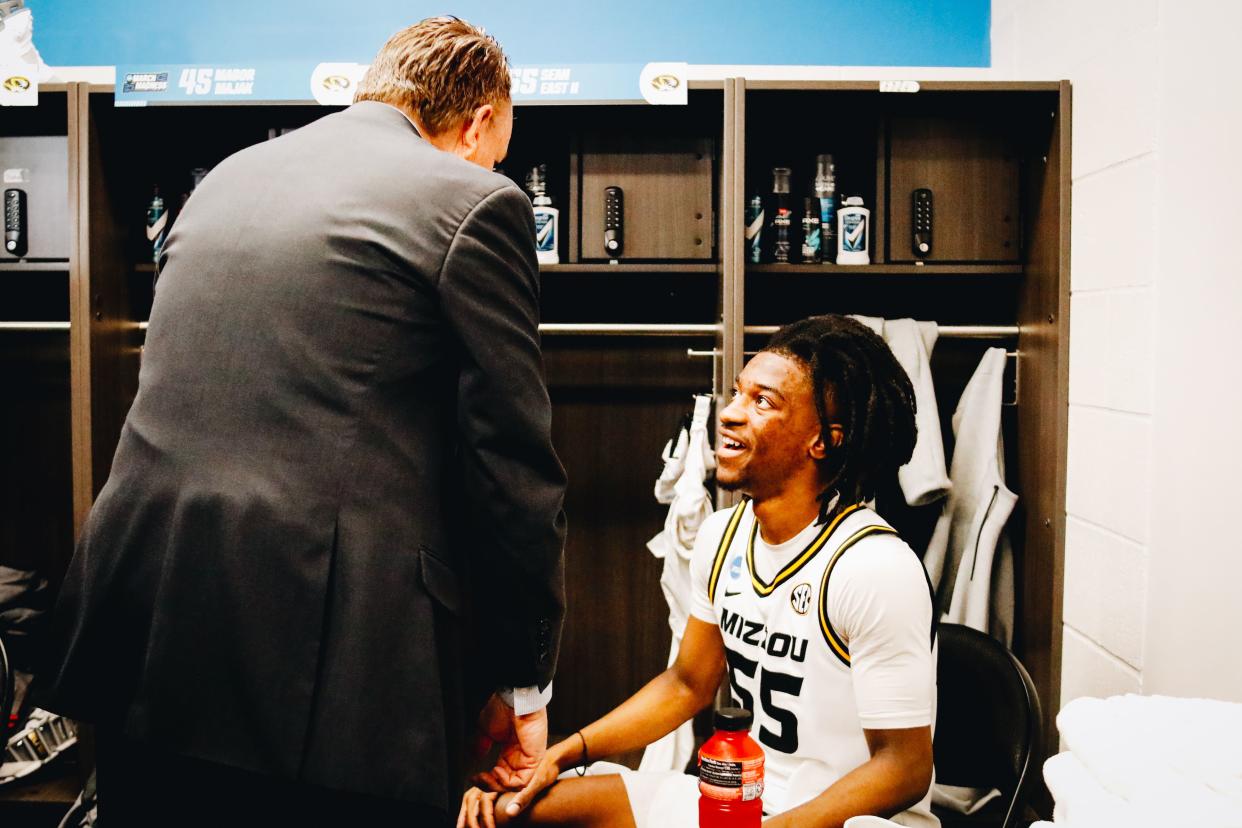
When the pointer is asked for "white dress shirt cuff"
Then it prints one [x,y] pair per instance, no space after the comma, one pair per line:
[526,700]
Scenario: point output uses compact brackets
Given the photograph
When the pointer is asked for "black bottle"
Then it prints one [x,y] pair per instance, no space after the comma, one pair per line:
[781,215]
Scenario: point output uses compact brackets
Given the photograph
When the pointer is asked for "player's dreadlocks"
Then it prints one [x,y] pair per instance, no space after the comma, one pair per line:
[854,374]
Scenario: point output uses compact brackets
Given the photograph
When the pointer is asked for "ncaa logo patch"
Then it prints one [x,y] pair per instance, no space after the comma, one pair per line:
[735,568]
[800,599]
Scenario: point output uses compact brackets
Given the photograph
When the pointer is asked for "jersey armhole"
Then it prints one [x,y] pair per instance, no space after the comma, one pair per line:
[835,642]
[722,551]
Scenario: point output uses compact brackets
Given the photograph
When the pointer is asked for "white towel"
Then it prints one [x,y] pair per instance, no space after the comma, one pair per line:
[690,505]
[1159,752]
[674,457]
[1081,800]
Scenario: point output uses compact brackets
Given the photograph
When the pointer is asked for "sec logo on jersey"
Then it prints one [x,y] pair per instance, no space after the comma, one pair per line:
[800,598]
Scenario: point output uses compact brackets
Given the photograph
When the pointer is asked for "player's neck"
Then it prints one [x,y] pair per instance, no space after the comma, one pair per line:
[783,515]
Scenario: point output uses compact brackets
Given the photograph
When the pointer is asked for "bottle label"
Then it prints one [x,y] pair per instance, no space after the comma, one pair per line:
[731,781]
[754,225]
[828,217]
[810,239]
[754,233]
[780,241]
[545,232]
[157,220]
[854,232]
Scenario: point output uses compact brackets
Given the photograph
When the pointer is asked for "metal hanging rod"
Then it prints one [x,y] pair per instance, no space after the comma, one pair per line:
[610,329]
[34,326]
[715,352]
[946,331]
[620,329]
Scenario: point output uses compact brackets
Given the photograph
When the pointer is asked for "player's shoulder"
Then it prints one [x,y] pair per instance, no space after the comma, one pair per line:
[712,531]
[715,525]
[717,520]
[878,556]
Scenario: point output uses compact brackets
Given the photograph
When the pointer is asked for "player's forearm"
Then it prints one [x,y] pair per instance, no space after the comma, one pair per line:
[884,785]
[654,711]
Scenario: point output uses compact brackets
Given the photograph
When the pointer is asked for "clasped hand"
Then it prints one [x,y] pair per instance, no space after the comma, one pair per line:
[522,767]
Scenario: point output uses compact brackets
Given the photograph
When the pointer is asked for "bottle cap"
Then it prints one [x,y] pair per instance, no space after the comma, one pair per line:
[733,719]
[824,166]
[853,201]
[536,179]
[780,179]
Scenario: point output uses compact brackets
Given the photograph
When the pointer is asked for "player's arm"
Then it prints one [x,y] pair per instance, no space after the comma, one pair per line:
[895,778]
[661,706]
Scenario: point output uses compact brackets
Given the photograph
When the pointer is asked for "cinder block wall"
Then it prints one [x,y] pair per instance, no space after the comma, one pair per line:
[1153,570]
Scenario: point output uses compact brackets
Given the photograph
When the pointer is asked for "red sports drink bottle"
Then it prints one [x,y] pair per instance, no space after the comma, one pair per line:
[731,774]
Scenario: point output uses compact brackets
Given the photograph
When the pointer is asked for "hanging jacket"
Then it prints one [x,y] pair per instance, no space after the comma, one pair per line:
[969,559]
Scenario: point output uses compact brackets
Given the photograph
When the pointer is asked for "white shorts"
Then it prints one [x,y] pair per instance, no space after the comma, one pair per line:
[658,799]
[662,799]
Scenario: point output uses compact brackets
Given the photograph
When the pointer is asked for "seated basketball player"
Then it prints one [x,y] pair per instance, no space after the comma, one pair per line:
[819,612]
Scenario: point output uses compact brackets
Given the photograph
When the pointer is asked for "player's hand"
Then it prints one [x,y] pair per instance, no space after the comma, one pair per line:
[523,741]
[478,809]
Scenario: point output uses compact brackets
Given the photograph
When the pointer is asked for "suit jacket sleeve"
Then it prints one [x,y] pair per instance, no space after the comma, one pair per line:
[489,290]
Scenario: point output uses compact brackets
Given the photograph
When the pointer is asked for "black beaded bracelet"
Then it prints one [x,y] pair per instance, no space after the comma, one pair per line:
[586,759]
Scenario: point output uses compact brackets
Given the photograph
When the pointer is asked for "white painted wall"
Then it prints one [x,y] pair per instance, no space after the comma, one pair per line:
[1153,566]
[1194,605]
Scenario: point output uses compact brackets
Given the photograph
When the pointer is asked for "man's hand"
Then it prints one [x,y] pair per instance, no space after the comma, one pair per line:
[543,777]
[523,741]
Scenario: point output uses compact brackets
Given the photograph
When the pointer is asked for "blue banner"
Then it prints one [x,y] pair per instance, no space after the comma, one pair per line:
[548,32]
[276,81]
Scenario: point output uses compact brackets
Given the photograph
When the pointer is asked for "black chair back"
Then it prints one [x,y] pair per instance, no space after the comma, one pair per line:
[6,693]
[988,719]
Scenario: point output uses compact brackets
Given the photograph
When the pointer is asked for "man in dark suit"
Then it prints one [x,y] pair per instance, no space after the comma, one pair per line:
[342,374]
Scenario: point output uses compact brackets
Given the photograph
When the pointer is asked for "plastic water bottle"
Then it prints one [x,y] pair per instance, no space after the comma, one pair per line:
[731,774]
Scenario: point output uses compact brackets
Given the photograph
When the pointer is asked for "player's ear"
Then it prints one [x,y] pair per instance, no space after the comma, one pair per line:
[825,442]
[828,440]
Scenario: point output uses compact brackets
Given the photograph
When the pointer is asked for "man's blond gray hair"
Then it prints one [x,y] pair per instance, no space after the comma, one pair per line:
[440,69]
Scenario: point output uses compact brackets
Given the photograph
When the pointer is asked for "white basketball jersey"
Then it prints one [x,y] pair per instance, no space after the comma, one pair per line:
[788,644]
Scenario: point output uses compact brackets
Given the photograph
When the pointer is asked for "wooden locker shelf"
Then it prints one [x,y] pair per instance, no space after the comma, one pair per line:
[630,267]
[33,267]
[820,270]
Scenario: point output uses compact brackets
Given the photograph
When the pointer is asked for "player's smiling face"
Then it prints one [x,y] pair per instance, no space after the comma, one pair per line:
[770,429]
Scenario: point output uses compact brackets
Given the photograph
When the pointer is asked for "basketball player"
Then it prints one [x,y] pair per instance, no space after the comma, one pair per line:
[820,614]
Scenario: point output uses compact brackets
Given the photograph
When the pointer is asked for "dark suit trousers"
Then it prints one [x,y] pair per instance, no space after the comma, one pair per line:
[141,786]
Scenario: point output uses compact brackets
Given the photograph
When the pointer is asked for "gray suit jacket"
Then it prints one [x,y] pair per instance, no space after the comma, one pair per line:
[341,438]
